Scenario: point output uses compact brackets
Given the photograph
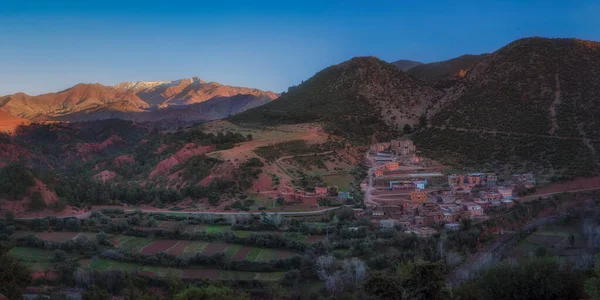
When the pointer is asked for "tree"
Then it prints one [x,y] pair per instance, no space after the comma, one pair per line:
[14,277]
[102,239]
[9,216]
[95,293]
[534,279]
[423,280]
[37,202]
[592,284]
[249,137]
[407,129]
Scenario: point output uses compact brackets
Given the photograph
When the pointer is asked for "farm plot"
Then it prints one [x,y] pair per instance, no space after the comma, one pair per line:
[196,228]
[130,243]
[158,246]
[179,248]
[58,236]
[36,260]
[194,247]
[341,180]
[217,229]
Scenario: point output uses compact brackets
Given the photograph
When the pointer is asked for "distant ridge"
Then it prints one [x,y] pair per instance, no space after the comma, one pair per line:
[406,65]
[139,101]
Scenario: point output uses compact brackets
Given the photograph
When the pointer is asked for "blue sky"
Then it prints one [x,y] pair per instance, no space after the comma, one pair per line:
[50,45]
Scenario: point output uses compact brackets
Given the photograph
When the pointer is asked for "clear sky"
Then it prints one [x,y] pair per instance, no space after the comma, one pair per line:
[50,45]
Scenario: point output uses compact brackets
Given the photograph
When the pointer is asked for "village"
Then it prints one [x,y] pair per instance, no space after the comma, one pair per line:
[406,191]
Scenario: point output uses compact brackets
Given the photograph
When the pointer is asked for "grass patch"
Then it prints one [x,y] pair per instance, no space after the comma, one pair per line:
[131,243]
[271,276]
[266,255]
[341,180]
[231,250]
[253,254]
[217,229]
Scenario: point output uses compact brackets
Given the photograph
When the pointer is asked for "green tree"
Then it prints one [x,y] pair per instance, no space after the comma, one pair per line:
[534,279]
[14,276]
[407,129]
[9,216]
[37,202]
[592,284]
[95,293]
[249,137]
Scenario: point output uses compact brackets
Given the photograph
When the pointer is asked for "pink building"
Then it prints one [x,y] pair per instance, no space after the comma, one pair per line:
[320,190]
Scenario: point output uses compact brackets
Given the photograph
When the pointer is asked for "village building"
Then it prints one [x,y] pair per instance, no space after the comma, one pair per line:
[475,179]
[378,213]
[420,184]
[320,190]
[506,192]
[392,166]
[410,207]
[422,231]
[473,209]
[456,180]
[378,173]
[491,179]
[418,196]
[452,226]
[388,223]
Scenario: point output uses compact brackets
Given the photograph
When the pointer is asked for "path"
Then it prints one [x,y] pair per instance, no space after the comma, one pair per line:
[218,213]
[495,132]
[537,196]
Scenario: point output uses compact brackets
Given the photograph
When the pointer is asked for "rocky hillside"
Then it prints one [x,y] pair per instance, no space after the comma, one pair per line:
[356,98]
[186,91]
[186,99]
[406,65]
[446,73]
[533,101]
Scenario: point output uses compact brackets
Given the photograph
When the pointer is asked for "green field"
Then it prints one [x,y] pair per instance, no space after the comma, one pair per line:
[341,180]
[194,247]
[130,243]
[217,228]
[266,255]
[36,260]
[104,264]
[231,250]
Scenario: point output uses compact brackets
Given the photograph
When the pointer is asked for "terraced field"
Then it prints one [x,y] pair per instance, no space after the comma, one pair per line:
[208,273]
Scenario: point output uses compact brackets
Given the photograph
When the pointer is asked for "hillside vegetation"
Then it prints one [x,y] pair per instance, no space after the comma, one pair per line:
[444,74]
[354,99]
[537,100]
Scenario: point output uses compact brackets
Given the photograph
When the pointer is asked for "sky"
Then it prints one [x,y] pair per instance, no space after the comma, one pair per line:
[50,45]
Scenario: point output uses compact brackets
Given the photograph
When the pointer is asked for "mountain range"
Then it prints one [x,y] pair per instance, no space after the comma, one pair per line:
[188,99]
[531,105]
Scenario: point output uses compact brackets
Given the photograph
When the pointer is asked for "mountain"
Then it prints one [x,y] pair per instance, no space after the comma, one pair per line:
[186,91]
[406,65]
[532,103]
[82,98]
[446,73]
[9,122]
[356,98]
[188,99]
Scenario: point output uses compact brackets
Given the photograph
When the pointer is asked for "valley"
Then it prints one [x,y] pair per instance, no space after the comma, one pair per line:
[361,178]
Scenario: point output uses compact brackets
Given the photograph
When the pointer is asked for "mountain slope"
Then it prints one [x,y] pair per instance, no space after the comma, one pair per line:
[446,73]
[406,65]
[139,101]
[536,101]
[358,97]
[186,91]
[86,98]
